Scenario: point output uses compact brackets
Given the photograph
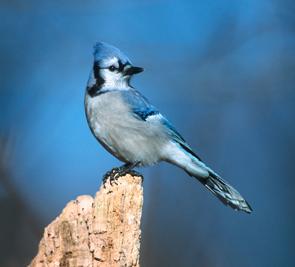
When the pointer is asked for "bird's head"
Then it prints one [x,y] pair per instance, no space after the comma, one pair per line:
[111,68]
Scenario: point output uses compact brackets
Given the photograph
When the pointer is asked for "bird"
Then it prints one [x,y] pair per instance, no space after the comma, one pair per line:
[128,126]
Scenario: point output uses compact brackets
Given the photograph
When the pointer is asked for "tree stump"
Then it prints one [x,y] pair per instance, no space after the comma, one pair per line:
[104,231]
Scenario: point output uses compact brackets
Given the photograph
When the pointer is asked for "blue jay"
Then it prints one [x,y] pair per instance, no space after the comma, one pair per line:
[135,132]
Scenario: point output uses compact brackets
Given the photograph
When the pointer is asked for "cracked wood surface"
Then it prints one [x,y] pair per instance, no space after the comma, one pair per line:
[104,231]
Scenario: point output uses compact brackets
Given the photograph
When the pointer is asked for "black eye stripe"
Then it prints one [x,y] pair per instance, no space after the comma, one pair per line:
[121,66]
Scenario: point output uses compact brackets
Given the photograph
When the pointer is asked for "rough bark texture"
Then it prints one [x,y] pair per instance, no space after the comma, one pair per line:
[104,231]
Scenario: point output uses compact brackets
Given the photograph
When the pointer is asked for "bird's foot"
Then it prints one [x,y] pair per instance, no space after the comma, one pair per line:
[111,175]
[115,173]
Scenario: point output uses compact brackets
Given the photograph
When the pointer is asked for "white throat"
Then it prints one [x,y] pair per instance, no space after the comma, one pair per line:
[114,83]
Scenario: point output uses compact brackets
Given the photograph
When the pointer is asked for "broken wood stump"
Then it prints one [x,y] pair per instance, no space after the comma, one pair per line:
[104,231]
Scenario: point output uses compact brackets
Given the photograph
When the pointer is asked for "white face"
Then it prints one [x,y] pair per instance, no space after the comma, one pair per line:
[112,72]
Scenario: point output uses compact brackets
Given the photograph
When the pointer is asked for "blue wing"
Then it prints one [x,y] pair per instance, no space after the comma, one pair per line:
[177,137]
[142,110]
[139,105]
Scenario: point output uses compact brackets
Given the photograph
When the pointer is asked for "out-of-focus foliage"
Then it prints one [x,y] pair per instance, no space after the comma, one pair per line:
[222,72]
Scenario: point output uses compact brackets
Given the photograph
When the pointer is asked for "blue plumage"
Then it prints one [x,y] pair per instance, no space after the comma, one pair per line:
[139,105]
[103,51]
[134,131]
[142,109]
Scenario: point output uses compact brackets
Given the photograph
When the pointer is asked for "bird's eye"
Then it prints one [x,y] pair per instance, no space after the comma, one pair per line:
[112,68]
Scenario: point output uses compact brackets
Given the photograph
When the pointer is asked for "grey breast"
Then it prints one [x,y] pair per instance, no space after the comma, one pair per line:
[120,132]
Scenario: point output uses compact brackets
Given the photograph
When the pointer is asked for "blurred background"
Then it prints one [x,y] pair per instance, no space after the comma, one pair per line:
[221,71]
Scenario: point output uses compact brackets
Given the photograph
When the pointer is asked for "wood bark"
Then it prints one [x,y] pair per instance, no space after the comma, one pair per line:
[104,231]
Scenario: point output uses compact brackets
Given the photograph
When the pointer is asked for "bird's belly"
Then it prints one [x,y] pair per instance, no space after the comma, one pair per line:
[132,143]
[126,137]
[136,145]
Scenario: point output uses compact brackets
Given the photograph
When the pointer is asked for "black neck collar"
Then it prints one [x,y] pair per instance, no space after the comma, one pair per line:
[99,81]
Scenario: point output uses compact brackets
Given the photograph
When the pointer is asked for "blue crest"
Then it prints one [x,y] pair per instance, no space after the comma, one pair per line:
[104,51]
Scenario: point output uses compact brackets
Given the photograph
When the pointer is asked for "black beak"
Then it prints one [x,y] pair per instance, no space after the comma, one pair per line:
[133,70]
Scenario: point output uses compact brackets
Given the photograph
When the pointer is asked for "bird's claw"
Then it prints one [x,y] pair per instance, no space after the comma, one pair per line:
[114,174]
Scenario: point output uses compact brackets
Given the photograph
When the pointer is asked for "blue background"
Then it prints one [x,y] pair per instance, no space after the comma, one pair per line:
[221,71]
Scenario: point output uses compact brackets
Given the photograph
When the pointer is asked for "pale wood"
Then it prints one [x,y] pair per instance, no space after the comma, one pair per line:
[104,231]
